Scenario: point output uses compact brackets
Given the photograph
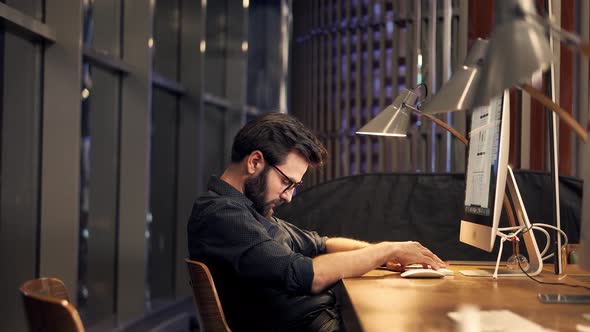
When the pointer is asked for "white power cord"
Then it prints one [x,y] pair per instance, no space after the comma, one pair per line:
[514,237]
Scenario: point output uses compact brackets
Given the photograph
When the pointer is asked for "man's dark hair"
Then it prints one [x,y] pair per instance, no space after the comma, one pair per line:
[275,135]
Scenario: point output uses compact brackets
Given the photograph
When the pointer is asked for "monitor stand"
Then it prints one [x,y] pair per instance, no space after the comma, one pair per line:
[525,227]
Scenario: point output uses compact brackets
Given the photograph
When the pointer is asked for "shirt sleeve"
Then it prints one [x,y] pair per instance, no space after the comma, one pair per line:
[308,243]
[233,236]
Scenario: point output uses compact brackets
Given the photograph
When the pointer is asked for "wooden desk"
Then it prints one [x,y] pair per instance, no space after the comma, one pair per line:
[383,301]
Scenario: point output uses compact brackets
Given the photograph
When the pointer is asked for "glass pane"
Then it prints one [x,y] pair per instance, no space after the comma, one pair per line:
[264,54]
[216,30]
[215,136]
[102,26]
[162,228]
[165,40]
[98,194]
[20,129]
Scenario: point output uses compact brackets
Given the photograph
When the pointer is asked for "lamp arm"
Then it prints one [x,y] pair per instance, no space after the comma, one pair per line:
[570,39]
[440,123]
[563,114]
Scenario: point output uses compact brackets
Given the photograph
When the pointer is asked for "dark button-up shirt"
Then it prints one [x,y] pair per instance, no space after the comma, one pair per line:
[262,267]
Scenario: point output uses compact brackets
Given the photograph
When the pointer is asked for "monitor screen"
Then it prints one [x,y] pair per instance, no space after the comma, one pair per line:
[486,172]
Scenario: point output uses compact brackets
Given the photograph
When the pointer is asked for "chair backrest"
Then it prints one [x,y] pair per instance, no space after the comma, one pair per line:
[209,310]
[48,308]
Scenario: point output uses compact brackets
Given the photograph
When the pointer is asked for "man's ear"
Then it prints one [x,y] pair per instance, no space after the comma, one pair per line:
[255,162]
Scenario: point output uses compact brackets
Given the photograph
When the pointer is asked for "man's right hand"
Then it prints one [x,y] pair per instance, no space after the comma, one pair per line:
[411,252]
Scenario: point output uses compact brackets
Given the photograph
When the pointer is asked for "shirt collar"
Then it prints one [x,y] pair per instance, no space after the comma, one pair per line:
[225,189]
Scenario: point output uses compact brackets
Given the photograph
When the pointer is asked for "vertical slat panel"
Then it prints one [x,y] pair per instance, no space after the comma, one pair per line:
[413,34]
[321,36]
[314,75]
[584,117]
[566,98]
[358,88]
[515,120]
[309,110]
[384,161]
[369,83]
[430,50]
[338,104]
[401,29]
[347,92]
[537,151]
[539,125]
[445,155]
[459,118]
[329,13]
[583,92]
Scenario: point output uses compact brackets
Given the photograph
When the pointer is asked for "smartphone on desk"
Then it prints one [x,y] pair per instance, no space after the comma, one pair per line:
[564,298]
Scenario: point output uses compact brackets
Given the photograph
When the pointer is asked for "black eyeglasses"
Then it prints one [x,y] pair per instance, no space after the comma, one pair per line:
[292,184]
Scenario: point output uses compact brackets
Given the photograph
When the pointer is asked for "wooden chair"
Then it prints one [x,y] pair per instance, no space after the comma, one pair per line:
[209,310]
[48,307]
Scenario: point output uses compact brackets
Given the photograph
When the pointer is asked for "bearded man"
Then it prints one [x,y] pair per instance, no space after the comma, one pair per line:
[270,275]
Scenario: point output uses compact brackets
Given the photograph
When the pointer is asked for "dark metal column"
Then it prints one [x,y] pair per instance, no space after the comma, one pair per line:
[60,174]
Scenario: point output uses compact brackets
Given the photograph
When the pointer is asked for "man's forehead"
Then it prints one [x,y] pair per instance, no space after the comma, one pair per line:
[295,165]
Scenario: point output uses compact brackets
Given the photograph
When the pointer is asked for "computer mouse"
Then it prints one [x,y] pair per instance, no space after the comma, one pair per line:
[422,273]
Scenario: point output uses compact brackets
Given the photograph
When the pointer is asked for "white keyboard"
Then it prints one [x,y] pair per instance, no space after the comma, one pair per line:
[490,272]
[499,320]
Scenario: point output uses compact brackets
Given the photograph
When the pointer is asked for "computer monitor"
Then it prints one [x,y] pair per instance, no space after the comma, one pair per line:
[485,180]
[487,176]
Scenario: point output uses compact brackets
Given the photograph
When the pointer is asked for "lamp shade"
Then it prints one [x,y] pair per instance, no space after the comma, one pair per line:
[457,93]
[393,120]
[518,47]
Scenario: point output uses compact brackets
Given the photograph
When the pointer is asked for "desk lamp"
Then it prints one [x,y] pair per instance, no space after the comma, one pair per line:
[457,93]
[460,93]
[395,119]
[521,30]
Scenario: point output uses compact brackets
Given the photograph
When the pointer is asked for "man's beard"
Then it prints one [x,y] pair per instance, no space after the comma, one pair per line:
[255,190]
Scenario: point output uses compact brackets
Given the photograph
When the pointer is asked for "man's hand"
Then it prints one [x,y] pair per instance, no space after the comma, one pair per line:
[406,253]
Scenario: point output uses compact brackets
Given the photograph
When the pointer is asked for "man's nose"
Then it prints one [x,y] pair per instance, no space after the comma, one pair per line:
[287,195]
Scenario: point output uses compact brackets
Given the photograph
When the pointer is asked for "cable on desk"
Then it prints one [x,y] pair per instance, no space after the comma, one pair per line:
[549,283]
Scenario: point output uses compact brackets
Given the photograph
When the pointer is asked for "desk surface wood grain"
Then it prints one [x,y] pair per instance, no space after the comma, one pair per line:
[383,301]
